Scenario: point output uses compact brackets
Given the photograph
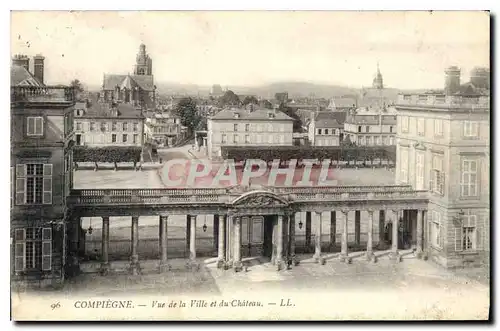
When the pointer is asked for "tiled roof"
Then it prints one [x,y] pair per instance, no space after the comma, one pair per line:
[145,82]
[19,76]
[101,110]
[329,119]
[343,102]
[257,114]
[372,119]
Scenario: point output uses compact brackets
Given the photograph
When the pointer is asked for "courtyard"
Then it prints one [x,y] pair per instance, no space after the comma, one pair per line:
[412,289]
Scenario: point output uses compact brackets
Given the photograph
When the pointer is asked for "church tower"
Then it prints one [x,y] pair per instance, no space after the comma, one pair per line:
[378,81]
[144,64]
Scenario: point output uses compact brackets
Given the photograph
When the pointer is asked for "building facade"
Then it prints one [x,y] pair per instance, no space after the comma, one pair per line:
[246,127]
[371,127]
[326,128]
[103,124]
[443,147]
[163,128]
[41,180]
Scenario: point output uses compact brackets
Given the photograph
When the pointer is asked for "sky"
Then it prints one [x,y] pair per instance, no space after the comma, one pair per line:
[254,48]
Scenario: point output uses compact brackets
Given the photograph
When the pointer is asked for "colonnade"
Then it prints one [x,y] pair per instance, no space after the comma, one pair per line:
[228,236]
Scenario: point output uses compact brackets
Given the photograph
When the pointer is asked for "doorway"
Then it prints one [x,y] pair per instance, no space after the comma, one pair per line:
[267,249]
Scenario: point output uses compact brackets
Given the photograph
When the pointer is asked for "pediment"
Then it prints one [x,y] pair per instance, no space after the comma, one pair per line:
[259,199]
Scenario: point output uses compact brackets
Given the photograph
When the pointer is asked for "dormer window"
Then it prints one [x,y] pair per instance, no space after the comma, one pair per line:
[236,115]
[270,115]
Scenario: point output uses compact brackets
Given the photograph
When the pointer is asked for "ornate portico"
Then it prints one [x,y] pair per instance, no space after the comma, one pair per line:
[259,221]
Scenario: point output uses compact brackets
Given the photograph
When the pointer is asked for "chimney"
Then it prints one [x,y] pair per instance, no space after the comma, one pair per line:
[38,67]
[21,60]
[452,80]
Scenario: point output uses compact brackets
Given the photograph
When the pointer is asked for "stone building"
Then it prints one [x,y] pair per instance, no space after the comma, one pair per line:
[371,126]
[105,124]
[326,128]
[137,89]
[246,127]
[443,147]
[40,176]
[163,128]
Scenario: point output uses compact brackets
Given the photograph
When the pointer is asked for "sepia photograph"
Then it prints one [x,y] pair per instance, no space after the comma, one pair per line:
[250,165]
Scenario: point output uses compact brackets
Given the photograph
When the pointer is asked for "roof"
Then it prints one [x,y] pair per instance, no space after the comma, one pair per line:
[342,102]
[102,110]
[258,114]
[329,119]
[19,76]
[144,82]
[372,118]
[372,96]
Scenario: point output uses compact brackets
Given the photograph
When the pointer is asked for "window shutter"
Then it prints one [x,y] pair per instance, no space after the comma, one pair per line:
[441,177]
[19,261]
[46,248]
[20,184]
[458,239]
[39,125]
[431,180]
[30,125]
[441,235]
[47,183]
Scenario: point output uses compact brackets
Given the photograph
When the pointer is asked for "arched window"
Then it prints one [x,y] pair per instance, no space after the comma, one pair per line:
[141,71]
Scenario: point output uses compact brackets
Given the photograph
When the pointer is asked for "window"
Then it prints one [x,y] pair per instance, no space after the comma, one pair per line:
[247,139]
[282,139]
[319,131]
[469,178]
[125,138]
[113,138]
[437,176]
[359,128]
[35,126]
[466,234]
[135,138]
[136,127]
[367,128]
[421,126]
[235,127]
[438,127]
[103,126]
[92,126]
[391,141]
[326,131]
[235,139]
[404,123]
[420,170]
[269,127]
[270,139]
[33,249]
[435,230]
[403,171]
[12,186]
[470,129]
[33,183]
[113,126]
[78,126]
[247,127]
[223,139]
[124,126]
[368,140]
[390,129]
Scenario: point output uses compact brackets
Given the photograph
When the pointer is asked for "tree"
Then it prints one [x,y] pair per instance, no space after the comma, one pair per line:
[186,109]
[250,99]
[78,86]
[229,99]
[266,104]
[297,122]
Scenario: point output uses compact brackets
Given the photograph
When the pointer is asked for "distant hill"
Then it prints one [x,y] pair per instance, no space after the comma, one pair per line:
[294,89]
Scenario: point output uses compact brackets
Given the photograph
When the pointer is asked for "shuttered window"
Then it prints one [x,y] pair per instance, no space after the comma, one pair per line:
[467,236]
[33,183]
[33,249]
[469,178]
[437,175]
[34,126]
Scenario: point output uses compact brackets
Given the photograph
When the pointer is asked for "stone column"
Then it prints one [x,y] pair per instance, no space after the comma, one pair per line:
[279,244]
[333,228]
[274,241]
[308,230]
[237,244]
[164,266]
[419,233]
[216,232]
[291,224]
[188,231]
[357,227]
[221,238]
[395,229]
[192,243]
[369,246]
[318,258]
[105,245]
[344,254]
[134,260]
